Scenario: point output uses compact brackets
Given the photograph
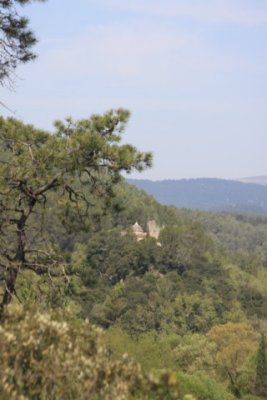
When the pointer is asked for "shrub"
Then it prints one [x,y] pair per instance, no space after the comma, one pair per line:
[52,356]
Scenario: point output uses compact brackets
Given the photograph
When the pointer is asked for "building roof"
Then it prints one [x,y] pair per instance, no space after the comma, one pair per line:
[137,228]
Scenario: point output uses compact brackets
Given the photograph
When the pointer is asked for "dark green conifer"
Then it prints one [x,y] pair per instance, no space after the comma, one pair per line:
[16,39]
[261,372]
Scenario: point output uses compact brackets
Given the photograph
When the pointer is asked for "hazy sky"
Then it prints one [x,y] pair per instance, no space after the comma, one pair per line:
[193,74]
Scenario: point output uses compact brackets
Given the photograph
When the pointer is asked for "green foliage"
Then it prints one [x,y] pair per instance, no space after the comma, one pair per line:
[253,301]
[184,245]
[134,205]
[76,167]
[236,342]
[203,387]
[261,370]
[51,356]
[152,351]
[47,356]
[115,255]
[195,352]
[189,303]
[157,302]
[16,39]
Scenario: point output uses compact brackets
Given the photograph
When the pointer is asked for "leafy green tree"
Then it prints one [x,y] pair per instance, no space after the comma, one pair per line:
[108,256]
[194,353]
[235,343]
[76,167]
[137,304]
[261,371]
[184,245]
[152,351]
[204,388]
[114,254]
[16,39]
[194,312]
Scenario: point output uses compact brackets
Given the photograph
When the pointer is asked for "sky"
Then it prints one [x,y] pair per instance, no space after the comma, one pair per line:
[192,73]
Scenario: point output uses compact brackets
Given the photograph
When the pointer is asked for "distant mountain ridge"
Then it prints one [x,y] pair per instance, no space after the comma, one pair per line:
[207,194]
[259,180]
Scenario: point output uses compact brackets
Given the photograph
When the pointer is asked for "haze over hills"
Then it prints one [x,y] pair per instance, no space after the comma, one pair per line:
[208,194]
[260,180]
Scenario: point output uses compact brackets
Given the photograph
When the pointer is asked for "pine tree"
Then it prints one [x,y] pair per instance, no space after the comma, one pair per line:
[16,39]
[78,165]
[261,371]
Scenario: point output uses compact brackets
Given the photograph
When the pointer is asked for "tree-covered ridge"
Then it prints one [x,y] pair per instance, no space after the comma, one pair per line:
[179,317]
[192,303]
[208,194]
[209,271]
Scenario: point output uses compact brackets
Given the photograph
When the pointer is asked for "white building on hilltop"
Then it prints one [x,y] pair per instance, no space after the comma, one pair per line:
[138,232]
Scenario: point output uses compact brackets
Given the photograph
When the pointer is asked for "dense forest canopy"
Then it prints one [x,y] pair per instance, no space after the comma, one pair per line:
[192,302]
[90,312]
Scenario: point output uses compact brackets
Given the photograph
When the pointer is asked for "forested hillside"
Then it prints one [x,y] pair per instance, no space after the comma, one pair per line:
[105,293]
[208,194]
[189,307]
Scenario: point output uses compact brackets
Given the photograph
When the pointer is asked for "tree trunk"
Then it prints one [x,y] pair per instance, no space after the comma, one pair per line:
[19,259]
[235,390]
[9,289]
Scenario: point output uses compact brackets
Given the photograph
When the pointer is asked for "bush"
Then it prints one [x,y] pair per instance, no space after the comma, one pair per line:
[51,356]
[203,387]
